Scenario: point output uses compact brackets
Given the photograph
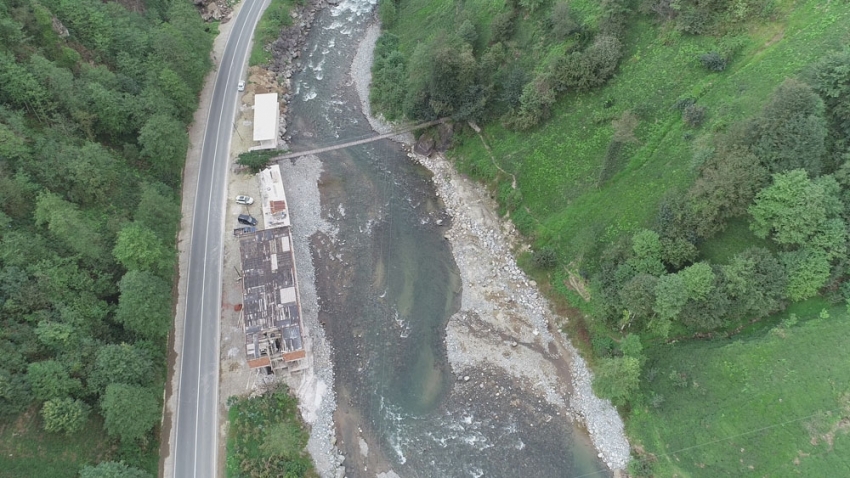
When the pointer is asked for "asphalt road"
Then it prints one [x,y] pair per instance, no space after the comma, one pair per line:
[195,445]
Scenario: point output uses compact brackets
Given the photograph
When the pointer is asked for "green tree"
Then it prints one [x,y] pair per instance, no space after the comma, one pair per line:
[57,336]
[647,250]
[699,280]
[631,346]
[65,221]
[159,211]
[120,363]
[797,211]
[164,143]
[64,415]
[129,411]
[671,294]
[617,379]
[466,31]
[145,304]
[790,133]
[727,184]
[677,252]
[138,248]
[387,13]
[638,295]
[49,380]
[807,271]
[112,469]
[256,161]
[453,73]
[179,93]
[755,281]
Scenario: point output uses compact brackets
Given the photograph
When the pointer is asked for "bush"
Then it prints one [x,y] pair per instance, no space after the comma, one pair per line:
[64,415]
[544,258]
[561,21]
[693,115]
[713,61]
[603,346]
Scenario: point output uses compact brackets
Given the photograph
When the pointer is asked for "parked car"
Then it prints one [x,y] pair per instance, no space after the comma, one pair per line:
[244,200]
[241,86]
[241,231]
[247,219]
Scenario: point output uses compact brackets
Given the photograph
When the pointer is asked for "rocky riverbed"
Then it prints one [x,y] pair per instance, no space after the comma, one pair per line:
[503,345]
[504,324]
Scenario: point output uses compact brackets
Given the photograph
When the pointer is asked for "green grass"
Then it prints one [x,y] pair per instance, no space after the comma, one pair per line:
[275,18]
[267,429]
[766,404]
[27,450]
[736,238]
[557,164]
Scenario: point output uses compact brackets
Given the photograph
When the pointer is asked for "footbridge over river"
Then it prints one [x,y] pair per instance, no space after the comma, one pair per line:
[370,139]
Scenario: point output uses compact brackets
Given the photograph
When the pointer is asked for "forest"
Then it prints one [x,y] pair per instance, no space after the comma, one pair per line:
[95,99]
[680,169]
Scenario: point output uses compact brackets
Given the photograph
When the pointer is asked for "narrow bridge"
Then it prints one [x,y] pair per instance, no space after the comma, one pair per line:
[405,129]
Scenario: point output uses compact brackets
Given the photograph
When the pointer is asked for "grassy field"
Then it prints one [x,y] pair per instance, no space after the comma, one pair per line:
[557,165]
[768,403]
[27,450]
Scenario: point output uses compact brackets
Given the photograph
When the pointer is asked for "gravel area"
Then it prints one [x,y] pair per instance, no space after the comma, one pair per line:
[504,321]
[314,387]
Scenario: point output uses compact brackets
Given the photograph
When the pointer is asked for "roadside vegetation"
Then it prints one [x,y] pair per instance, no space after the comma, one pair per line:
[681,170]
[274,19]
[95,98]
[266,437]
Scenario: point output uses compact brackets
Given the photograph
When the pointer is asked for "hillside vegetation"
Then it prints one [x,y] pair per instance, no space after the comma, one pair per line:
[94,101]
[681,169]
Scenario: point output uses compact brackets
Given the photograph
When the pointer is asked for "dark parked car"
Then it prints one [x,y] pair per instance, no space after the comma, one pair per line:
[241,231]
[247,219]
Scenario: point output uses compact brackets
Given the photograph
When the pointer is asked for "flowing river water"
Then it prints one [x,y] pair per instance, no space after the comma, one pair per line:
[387,284]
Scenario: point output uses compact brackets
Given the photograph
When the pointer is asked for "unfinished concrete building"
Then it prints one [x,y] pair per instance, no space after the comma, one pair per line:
[271,308]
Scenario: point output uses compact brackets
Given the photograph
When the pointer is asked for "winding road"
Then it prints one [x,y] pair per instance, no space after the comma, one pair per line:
[194,443]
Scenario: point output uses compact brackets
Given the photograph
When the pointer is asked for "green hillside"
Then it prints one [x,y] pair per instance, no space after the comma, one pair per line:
[682,165]
[95,99]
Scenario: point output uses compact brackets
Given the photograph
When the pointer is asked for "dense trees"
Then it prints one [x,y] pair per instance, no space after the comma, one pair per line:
[92,141]
[454,74]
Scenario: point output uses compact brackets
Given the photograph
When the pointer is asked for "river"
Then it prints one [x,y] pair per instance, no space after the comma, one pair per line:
[387,284]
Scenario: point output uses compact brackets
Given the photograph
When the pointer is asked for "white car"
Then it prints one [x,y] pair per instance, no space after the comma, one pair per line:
[241,86]
[244,200]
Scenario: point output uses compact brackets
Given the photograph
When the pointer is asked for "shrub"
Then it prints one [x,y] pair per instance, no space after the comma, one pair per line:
[561,21]
[713,61]
[603,346]
[617,379]
[544,258]
[64,415]
[693,115]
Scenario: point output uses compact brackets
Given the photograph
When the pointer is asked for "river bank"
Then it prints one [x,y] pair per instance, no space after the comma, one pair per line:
[508,367]
[504,322]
